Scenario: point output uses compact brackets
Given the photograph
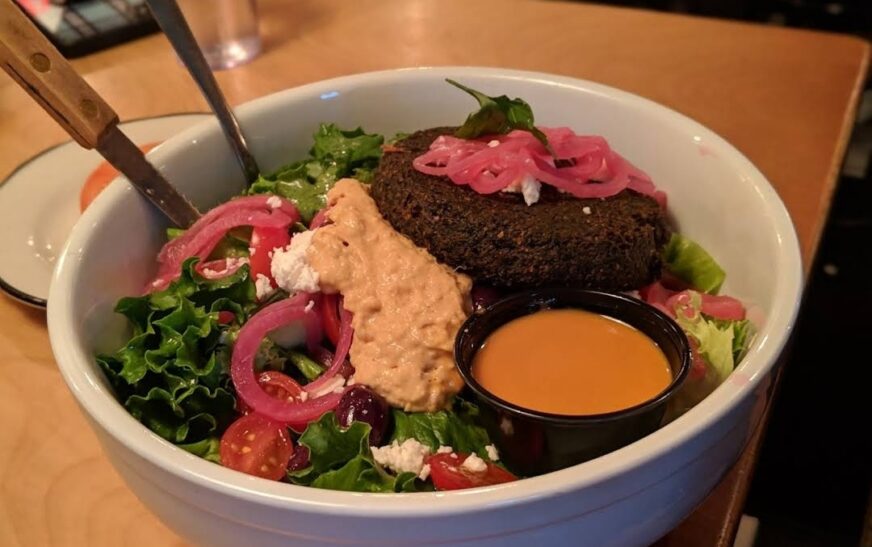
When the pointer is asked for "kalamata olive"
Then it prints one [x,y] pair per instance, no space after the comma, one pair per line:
[483,296]
[364,405]
[300,459]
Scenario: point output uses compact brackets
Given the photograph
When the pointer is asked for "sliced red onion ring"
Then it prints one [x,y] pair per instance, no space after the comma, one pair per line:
[723,307]
[242,364]
[671,301]
[201,238]
[217,269]
[319,219]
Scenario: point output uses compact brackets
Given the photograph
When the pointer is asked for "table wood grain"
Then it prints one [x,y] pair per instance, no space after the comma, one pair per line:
[785,98]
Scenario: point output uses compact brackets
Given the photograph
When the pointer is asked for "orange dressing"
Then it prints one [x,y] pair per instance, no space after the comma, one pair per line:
[571,362]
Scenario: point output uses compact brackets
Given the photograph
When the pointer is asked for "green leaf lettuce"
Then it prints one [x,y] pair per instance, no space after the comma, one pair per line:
[688,261]
[341,459]
[173,373]
[336,153]
[456,428]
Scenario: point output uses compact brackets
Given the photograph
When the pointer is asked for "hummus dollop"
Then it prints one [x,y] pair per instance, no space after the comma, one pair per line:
[407,307]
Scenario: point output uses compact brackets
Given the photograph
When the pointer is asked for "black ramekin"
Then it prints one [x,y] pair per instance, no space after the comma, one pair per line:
[533,442]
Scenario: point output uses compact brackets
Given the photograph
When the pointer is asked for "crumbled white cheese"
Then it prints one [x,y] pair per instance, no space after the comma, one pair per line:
[493,144]
[274,202]
[291,269]
[585,210]
[335,383]
[309,307]
[526,185]
[492,452]
[425,472]
[230,265]
[474,464]
[444,450]
[407,457]
[263,286]
[530,188]
[304,395]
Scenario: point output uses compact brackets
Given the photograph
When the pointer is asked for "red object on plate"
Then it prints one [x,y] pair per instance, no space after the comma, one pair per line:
[101,177]
[263,241]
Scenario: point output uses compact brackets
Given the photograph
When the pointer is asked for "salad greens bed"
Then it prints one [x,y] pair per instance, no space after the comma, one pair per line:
[173,374]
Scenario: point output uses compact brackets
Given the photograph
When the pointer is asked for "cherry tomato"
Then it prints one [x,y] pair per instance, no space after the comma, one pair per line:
[263,241]
[226,317]
[257,446]
[697,365]
[279,386]
[100,178]
[330,317]
[448,474]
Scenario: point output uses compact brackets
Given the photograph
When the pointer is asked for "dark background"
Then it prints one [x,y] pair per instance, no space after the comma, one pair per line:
[812,484]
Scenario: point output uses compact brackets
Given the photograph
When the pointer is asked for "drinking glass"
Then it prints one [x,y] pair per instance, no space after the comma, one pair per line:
[226,30]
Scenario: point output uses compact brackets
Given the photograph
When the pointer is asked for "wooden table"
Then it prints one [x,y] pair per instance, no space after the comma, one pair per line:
[785,98]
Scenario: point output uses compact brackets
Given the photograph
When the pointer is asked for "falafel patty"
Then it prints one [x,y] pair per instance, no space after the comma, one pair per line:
[606,244]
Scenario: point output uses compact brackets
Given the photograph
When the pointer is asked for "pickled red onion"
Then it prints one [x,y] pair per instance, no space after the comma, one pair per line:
[723,307]
[669,301]
[242,373]
[319,219]
[222,267]
[346,333]
[590,168]
[201,238]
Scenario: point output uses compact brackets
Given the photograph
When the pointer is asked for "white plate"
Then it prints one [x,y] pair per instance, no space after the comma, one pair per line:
[39,203]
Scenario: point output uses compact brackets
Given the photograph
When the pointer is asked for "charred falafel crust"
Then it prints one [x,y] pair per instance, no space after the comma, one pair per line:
[606,244]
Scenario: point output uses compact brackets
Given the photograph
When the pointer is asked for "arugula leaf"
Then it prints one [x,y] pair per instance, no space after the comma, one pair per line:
[456,428]
[340,459]
[691,263]
[496,116]
[335,154]
[173,374]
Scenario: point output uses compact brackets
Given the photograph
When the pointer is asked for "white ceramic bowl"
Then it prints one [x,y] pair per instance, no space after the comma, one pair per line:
[629,497]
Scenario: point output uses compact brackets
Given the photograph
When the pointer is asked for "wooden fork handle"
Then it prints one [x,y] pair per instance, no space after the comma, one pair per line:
[31,60]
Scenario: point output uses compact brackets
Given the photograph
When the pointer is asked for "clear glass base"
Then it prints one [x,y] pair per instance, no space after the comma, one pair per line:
[234,53]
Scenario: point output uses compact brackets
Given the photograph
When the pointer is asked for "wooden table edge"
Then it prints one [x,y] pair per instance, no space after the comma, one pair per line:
[738,479]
